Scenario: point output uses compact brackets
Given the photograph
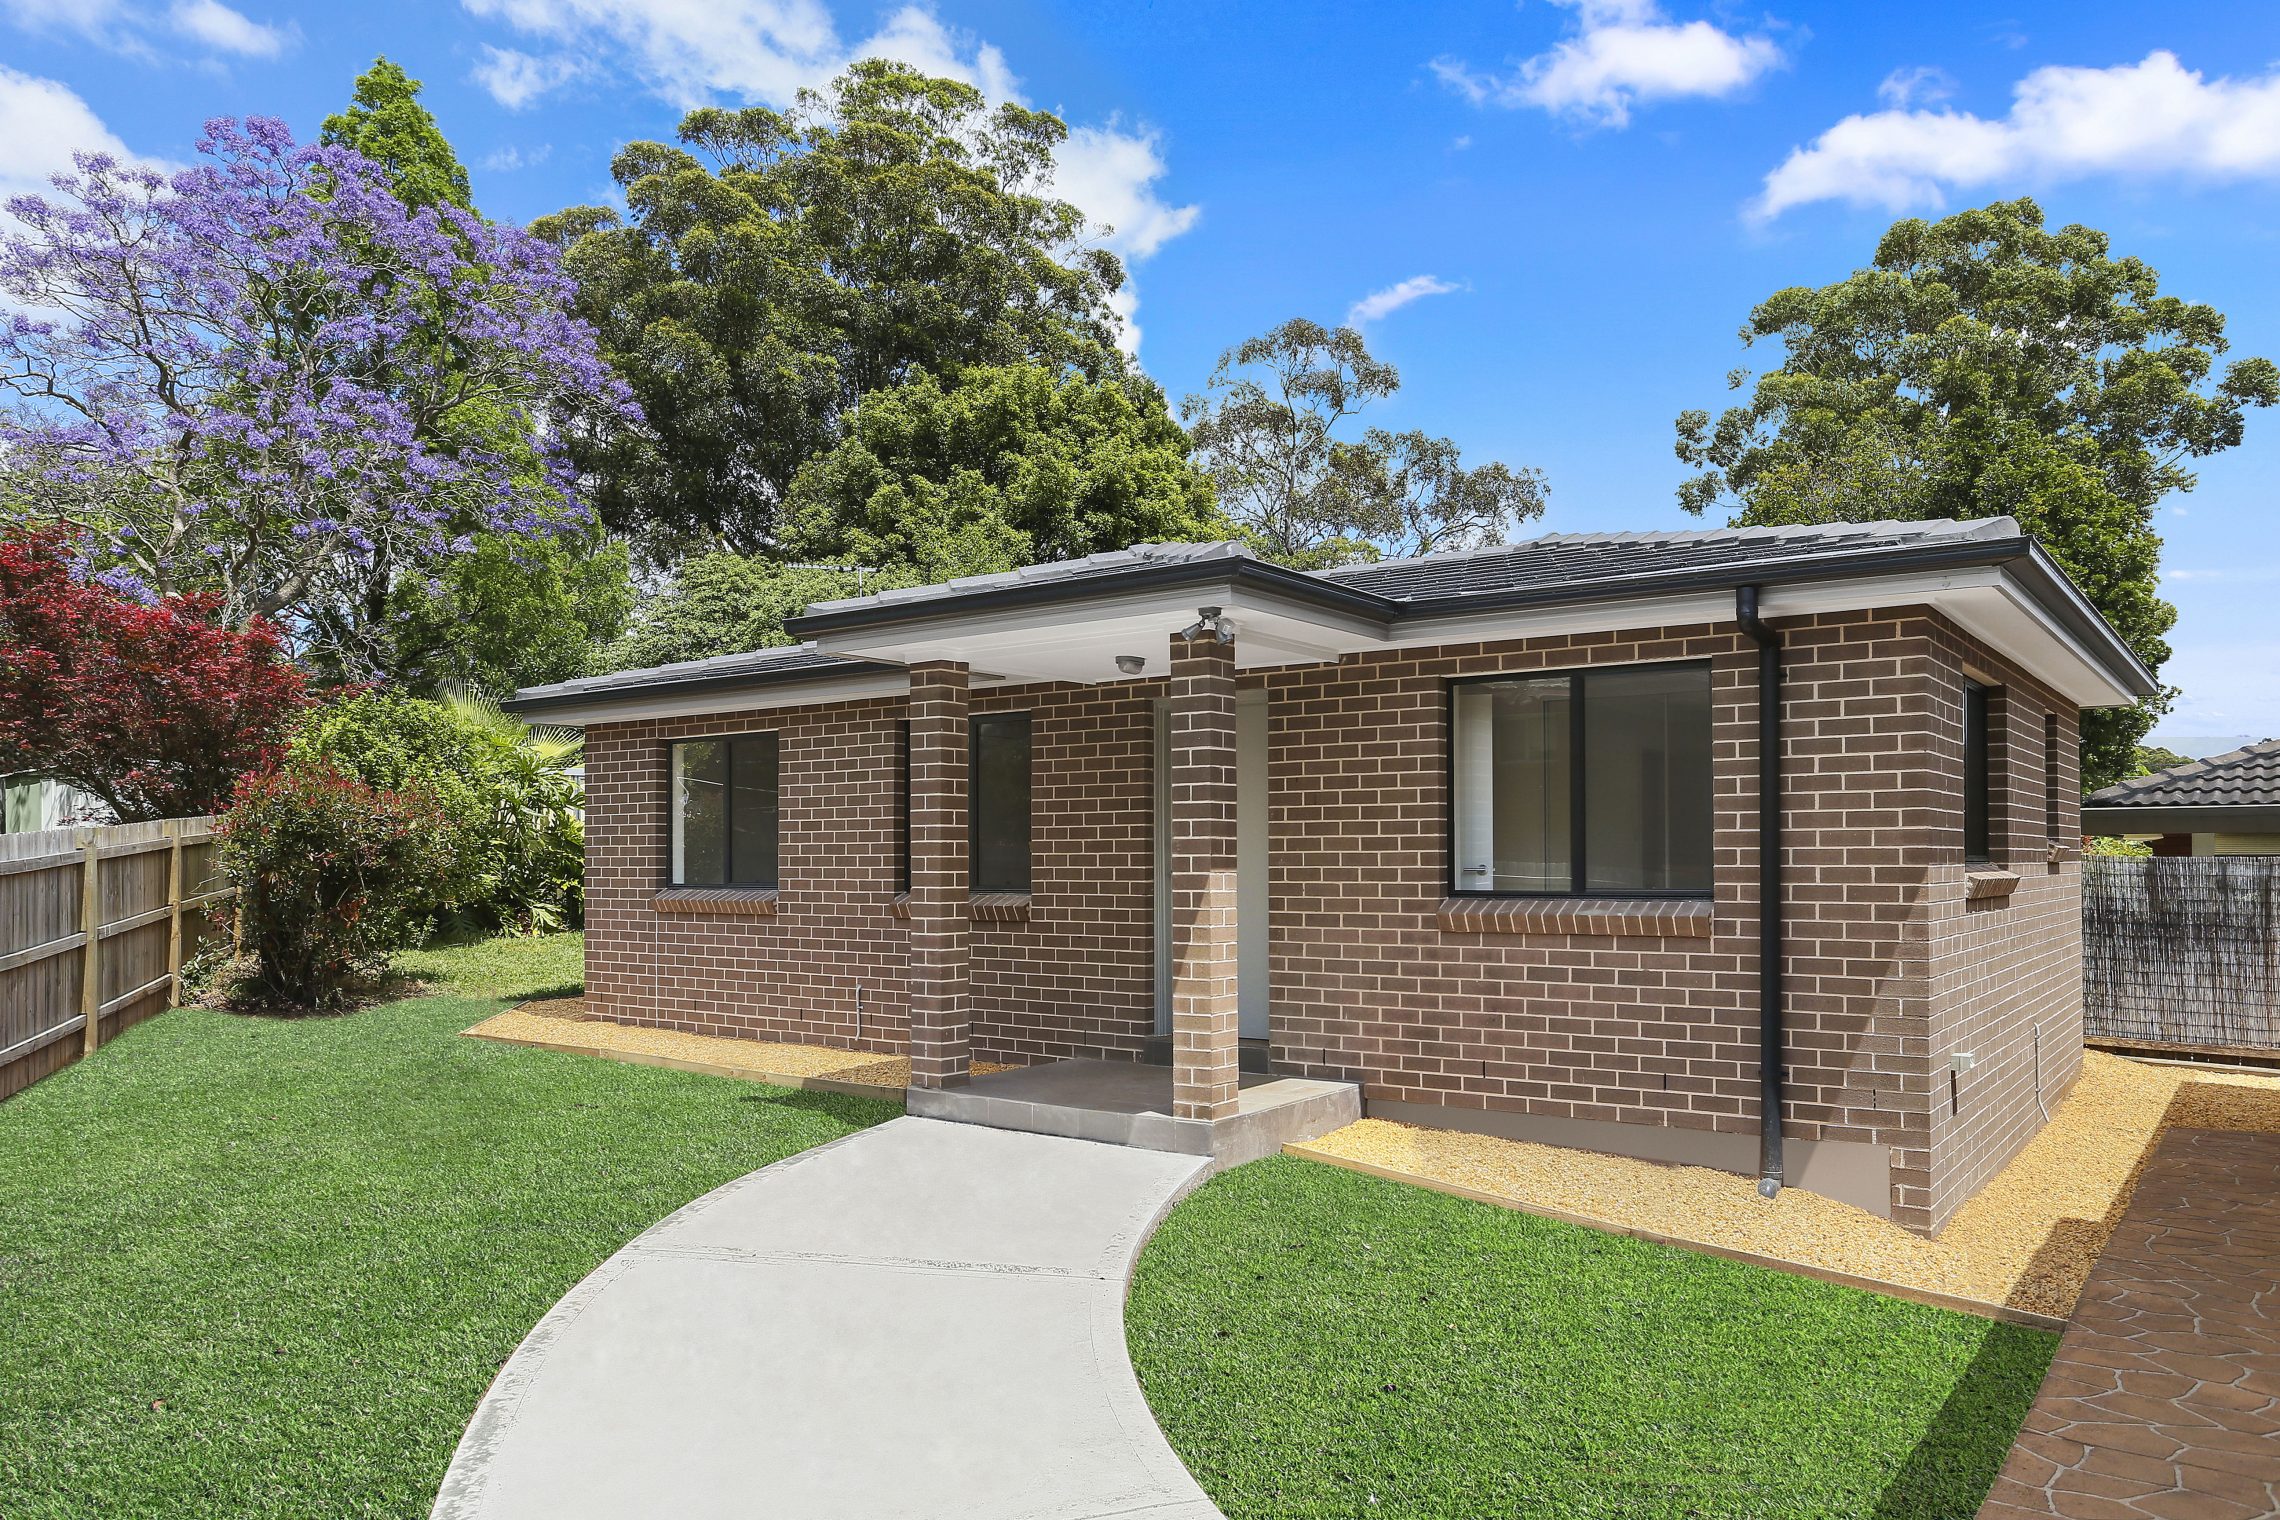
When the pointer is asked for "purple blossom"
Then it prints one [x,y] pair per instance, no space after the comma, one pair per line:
[266,374]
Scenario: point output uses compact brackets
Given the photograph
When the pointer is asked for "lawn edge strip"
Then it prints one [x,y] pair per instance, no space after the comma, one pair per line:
[700,1068]
[1984,1309]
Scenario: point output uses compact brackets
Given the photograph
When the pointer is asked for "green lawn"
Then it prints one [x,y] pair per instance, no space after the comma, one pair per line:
[262,1267]
[1318,1343]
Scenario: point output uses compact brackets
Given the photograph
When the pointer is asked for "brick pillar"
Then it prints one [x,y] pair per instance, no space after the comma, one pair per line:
[939,999]
[1203,878]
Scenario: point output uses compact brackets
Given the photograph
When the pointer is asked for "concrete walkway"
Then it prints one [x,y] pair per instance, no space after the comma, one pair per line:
[924,1319]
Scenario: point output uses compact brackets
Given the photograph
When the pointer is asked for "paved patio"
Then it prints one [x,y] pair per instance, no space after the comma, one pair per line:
[921,1320]
[2164,1401]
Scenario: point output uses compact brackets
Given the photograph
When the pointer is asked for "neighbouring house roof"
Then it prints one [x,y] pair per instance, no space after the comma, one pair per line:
[1068,620]
[2233,793]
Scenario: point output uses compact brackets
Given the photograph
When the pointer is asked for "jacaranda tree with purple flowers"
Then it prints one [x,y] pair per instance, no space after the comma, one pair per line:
[268,378]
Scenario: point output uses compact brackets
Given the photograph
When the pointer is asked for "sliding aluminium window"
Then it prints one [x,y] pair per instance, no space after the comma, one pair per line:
[724,802]
[997,820]
[1586,783]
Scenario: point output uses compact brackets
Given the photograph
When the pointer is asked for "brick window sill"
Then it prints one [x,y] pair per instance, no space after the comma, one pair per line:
[982,907]
[723,902]
[1646,918]
[998,907]
[1989,886]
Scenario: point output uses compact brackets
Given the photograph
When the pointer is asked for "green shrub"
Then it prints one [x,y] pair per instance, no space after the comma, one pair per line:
[333,877]
[2122,849]
[505,786]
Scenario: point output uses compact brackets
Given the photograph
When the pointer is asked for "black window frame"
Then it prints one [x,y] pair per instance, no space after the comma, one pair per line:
[1978,775]
[1578,864]
[673,871]
[904,887]
[975,722]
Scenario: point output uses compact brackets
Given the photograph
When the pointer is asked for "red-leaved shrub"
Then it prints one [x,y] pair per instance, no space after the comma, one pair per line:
[153,707]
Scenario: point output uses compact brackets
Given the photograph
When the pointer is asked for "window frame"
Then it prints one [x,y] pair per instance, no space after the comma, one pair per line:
[974,723]
[903,728]
[1978,774]
[673,869]
[1578,825]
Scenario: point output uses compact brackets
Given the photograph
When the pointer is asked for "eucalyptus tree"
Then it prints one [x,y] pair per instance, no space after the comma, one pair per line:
[1984,364]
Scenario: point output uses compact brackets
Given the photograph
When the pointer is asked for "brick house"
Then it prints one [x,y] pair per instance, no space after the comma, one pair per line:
[1479,837]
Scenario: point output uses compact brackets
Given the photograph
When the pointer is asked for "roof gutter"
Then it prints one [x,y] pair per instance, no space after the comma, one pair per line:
[543,702]
[1771,1041]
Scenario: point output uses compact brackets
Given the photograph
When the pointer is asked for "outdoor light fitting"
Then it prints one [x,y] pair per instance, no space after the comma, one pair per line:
[1132,664]
[1208,620]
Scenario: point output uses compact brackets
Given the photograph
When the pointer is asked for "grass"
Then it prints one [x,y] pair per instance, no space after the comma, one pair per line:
[265,1267]
[1320,1343]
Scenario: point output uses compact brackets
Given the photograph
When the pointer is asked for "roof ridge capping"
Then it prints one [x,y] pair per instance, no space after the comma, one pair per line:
[1930,527]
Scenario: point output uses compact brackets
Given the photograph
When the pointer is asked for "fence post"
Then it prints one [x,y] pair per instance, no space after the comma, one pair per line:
[91,923]
[174,916]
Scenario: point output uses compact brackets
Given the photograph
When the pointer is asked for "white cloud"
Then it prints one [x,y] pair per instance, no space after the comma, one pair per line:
[1923,85]
[691,52]
[99,21]
[506,160]
[225,30]
[1624,52]
[2151,118]
[515,79]
[1379,303]
[44,123]
[1112,173]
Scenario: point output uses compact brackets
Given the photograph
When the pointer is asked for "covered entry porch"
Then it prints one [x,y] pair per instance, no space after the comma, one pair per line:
[1201,1086]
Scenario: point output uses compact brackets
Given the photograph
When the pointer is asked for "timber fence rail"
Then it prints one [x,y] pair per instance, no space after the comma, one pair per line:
[2182,951]
[95,924]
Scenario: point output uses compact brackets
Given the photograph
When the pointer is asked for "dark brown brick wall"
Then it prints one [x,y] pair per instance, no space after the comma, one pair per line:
[2003,965]
[1891,969]
[793,976]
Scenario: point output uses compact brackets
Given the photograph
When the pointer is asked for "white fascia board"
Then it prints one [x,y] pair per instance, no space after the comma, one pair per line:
[728,699]
[1078,640]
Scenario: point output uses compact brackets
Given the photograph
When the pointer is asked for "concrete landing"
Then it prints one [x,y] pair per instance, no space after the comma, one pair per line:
[1126,1103]
[918,1321]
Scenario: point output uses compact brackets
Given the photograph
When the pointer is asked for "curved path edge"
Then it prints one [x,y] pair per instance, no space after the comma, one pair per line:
[920,1319]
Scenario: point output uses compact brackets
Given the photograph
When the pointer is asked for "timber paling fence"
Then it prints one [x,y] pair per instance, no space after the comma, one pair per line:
[2182,950]
[94,926]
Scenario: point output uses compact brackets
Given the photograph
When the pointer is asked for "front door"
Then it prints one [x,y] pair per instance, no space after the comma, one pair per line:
[1251,894]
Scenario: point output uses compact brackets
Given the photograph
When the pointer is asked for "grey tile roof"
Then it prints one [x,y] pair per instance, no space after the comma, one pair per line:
[1092,566]
[1579,559]
[1553,567]
[1552,560]
[782,662]
[2245,778]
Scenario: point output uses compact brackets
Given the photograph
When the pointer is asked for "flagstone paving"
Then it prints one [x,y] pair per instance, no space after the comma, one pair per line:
[2164,1399]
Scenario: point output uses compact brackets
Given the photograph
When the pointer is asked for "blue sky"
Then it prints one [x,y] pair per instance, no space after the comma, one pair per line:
[1580,200]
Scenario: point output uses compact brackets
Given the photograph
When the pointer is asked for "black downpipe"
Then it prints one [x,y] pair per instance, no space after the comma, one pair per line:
[1770,1041]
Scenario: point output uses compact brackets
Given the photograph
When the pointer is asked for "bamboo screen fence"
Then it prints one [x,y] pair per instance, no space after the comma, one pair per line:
[2182,950]
[94,926]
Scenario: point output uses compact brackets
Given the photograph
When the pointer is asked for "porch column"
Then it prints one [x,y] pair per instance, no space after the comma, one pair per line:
[939,1001]
[1203,878]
